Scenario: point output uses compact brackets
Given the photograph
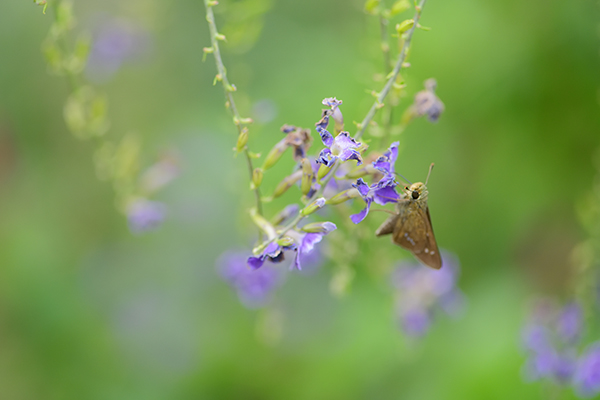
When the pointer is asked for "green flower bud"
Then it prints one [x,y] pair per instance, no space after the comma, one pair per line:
[319,227]
[274,155]
[314,206]
[399,7]
[371,6]
[404,26]
[242,140]
[307,176]
[287,183]
[257,177]
[262,223]
[285,241]
[343,196]
[323,171]
[358,172]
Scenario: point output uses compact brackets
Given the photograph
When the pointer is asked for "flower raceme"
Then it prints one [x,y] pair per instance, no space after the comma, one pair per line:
[284,234]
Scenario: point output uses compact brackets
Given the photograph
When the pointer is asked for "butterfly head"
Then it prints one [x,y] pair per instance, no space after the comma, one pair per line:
[416,192]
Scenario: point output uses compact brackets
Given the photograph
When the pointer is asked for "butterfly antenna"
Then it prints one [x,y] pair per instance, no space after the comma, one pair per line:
[402,176]
[429,173]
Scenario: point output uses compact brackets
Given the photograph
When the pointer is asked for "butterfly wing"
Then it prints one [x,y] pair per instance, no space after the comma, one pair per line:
[388,226]
[414,232]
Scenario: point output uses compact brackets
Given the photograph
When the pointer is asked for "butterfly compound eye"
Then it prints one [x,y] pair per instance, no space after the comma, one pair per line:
[415,194]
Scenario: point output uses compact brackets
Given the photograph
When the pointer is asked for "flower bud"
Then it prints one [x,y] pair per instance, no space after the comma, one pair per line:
[257,177]
[242,140]
[359,172]
[399,7]
[262,223]
[314,206]
[319,227]
[343,196]
[338,118]
[404,26]
[284,214]
[286,241]
[286,183]
[371,6]
[323,171]
[307,176]
[274,155]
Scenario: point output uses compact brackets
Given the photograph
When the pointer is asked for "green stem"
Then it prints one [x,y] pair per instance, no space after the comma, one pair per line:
[222,72]
[388,86]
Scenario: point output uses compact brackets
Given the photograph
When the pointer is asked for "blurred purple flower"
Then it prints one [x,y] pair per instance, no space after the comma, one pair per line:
[416,322]
[145,215]
[569,322]
[587,375]
[115,41]
[536,338]
[549,338]
[422,290]
[254,287]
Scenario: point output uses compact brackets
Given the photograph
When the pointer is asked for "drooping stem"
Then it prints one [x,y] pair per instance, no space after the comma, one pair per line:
[390,82]
[229,89]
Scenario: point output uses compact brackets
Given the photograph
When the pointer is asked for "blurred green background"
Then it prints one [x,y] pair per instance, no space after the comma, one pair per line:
[90,311]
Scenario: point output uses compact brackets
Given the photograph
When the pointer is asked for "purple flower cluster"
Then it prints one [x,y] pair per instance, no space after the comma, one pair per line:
[420,291]
[551,338]
[384,191]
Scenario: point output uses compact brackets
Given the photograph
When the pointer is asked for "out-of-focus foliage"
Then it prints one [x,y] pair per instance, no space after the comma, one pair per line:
[88,310]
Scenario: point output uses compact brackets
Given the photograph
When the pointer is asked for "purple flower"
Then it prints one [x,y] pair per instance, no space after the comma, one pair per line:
[386,164]
[308,242]
[587,375]
[384,191]
[115,42]
[342,147]
[303,243]
[145,215]
[423,290]
[335,112]
[254,287]
[273,252]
